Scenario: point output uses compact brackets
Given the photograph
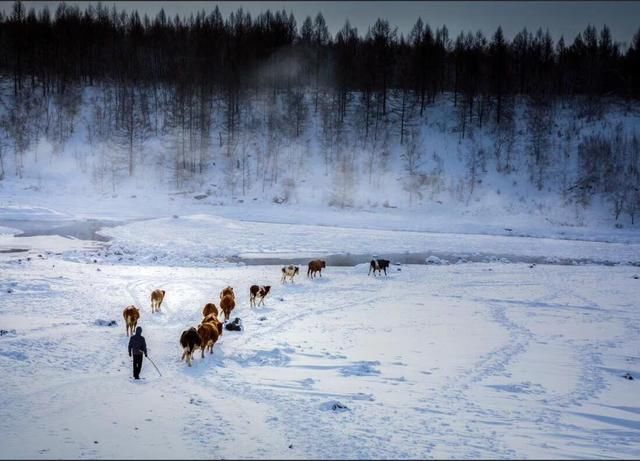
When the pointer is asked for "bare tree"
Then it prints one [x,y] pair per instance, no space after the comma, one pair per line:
[412,161]
[504,137]
[539,122]
[297,111]
[344,182]
[134,127]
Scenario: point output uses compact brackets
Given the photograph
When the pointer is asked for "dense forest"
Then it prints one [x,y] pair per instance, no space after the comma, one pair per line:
[211,84]
[207,53]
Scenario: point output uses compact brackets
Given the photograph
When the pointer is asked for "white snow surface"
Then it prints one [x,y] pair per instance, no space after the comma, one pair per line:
[498,359]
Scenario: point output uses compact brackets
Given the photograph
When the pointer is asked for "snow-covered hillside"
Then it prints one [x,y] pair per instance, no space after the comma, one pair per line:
[486,173]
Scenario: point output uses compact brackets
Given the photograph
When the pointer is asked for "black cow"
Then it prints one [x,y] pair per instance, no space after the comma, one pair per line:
[236,325]
[289,271]
[378,265]
[190,341]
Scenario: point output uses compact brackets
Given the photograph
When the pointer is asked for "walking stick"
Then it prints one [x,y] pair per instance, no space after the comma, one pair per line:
[154,365]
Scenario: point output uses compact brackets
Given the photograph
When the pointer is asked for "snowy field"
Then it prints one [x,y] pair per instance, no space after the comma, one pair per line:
[493,359]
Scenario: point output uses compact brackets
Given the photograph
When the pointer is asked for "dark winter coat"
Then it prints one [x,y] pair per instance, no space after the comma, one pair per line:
[137,344]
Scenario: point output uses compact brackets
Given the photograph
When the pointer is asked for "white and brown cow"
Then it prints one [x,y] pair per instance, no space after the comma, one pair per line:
[157,296]
[289,271]
[378,265]
[213,319]
[227,291]
[227,304]
[258,292]
[209,309]
[208,333]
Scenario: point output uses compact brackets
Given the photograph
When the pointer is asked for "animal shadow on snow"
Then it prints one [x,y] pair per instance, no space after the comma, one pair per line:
[15,355]
[264,309]
[202,367]
[294,287]
[318,279]
[393,275]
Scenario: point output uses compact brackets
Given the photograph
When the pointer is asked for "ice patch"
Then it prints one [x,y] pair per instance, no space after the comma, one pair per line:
[30,213]
[9,231]
[334,405]
[363,368]
[363,396]
[275,358]
[435,260]
[15,355]
[105,323]
[307,382]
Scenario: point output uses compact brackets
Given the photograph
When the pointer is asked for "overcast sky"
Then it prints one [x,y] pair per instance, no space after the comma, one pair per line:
[561,18]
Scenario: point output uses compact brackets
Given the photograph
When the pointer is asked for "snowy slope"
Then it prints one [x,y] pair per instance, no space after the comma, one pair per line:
[307,169]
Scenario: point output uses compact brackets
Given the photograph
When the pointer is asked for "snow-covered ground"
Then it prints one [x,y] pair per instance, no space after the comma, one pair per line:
[469,360]
[203,237]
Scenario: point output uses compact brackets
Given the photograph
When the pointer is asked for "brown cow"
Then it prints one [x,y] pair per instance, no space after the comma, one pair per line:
[258,292]
[209,309]
[227,291]
[189,340]
[316,266]
[213,319]
[227,304]
[208,336]
[131,315]
[157,296]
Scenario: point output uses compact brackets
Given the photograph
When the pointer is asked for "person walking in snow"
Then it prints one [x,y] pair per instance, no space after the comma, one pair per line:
[137,346]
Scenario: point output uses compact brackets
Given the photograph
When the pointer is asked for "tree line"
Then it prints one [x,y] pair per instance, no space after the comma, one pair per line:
[49,51]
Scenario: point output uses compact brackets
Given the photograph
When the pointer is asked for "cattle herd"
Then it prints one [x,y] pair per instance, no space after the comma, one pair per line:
[210,328]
